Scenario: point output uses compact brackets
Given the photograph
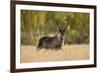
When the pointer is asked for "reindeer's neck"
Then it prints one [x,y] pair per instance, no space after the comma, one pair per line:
[61,39]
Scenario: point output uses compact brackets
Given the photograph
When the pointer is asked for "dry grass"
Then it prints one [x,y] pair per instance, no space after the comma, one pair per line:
[68,52]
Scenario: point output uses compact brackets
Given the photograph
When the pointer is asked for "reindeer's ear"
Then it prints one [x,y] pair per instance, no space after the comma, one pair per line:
[58,28]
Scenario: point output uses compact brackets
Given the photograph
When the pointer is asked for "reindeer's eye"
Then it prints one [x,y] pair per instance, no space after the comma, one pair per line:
[60,31]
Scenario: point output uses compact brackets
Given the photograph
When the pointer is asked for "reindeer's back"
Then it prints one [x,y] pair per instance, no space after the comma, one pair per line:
[49,42]
[44,40]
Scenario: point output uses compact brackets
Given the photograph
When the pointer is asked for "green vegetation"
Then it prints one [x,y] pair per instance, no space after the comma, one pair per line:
[36,23]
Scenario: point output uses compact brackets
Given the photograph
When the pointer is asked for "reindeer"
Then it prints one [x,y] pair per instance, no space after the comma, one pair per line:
[54,42]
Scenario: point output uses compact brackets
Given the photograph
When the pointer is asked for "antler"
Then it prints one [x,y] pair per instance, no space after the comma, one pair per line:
[66,26]
[58,25]
[61,26]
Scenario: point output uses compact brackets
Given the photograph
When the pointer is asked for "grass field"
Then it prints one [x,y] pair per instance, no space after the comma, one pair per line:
[69,52]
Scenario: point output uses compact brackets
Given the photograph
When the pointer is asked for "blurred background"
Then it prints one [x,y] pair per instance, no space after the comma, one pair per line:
[38,23]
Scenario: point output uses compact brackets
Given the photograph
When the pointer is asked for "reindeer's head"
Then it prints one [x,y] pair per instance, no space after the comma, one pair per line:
[62,30]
